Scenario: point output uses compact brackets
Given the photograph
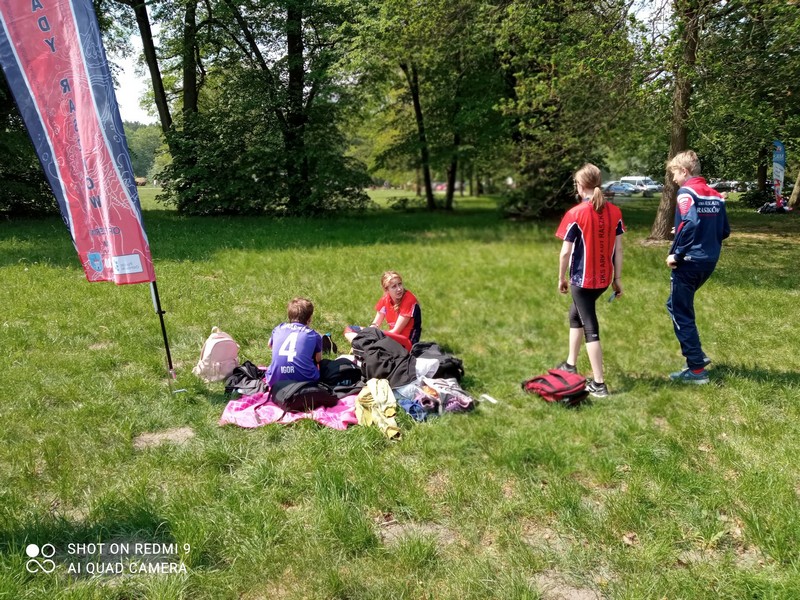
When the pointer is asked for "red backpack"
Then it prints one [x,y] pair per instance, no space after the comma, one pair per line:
[558,386]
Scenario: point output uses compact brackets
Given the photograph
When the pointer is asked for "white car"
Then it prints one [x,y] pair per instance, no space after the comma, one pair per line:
[642,183]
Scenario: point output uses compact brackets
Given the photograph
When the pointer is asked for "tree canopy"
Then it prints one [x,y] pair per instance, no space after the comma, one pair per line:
[295,106]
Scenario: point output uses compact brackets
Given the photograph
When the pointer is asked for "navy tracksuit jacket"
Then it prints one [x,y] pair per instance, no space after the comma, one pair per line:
[701,224]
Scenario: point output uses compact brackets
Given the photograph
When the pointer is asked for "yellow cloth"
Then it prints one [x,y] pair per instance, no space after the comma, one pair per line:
[376,405]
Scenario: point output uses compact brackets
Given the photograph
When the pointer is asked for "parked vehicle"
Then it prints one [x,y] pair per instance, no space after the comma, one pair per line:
[619,188]
[643,184]
[722,185]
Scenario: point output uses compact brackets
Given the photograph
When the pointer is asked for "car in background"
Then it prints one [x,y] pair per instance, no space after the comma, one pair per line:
[619,188]
[643,184]
[721,185]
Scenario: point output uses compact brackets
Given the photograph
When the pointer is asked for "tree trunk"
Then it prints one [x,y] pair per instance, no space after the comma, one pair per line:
[761,172]
[418,181]
[794,199]
[413,85]
[681,101]
[189,58]
[159,94]
[294,138]
[452,171]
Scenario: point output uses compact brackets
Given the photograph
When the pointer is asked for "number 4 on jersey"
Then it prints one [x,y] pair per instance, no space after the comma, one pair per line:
[287,349]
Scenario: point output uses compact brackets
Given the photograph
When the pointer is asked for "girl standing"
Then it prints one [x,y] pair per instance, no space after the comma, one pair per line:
[592,251]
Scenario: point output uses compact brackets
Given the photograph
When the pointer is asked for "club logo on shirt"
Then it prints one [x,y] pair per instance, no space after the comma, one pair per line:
[685,202]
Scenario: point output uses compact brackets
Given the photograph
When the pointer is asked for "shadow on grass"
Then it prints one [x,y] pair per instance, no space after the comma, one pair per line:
[175,237]
[131,533]
[757,374]
[719,373]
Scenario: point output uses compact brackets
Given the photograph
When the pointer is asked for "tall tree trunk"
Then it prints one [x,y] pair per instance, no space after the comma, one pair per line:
[418,181]
[294,137]
[794,199]
[761,172]
[452,173]
[681,101]
[146,33]
[189,58]
[413,85]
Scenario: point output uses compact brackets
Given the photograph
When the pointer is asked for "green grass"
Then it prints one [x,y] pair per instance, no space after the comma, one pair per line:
[657,492]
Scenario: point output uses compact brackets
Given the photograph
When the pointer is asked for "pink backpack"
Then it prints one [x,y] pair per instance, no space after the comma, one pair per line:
[218,358]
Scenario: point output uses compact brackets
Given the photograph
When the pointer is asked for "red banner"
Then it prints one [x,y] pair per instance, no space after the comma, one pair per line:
[56,66]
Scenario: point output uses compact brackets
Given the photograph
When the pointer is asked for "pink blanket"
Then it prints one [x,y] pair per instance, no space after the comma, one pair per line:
[258,409]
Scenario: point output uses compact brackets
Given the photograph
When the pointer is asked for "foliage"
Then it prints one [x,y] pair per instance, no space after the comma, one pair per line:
[658,491]
[756,198]
[229,162]
[267,132]
[747,81]
[570,64]
[23,187]
[144,142]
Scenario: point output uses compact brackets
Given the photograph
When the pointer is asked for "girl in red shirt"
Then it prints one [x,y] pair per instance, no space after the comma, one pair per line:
[399,308]
[592,251]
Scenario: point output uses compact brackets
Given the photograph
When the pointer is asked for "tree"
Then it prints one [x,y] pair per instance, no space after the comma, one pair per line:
[569,70]
[23,187]
[687,14]
[143,142]
[733,84]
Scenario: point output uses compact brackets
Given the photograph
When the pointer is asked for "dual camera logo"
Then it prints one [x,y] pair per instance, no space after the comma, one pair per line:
[45,565]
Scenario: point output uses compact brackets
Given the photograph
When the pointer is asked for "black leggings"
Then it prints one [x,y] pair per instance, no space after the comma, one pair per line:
[582,313]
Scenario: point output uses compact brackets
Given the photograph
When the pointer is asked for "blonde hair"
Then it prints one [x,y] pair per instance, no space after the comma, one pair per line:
[300,310]
[387,279]
[685,160]
[589,177]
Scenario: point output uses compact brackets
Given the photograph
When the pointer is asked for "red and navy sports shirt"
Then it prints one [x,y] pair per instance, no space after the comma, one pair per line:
[593,235]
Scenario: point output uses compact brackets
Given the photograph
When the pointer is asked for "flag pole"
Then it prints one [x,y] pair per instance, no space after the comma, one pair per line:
[161,312]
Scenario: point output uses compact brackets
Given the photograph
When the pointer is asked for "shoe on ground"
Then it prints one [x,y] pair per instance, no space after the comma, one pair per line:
[706,362]
[565,366]
[687,376]
[598,390]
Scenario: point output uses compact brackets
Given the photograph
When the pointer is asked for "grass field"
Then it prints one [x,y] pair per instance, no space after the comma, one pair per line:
[658,491]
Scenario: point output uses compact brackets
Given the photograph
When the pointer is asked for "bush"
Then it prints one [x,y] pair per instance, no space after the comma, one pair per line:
[24,191]
[756,198]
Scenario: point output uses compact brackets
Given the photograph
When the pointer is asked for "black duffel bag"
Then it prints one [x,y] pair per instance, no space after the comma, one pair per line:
[302,396]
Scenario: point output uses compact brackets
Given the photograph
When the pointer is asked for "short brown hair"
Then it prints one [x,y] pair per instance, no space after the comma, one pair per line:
[300,310]
[685,160]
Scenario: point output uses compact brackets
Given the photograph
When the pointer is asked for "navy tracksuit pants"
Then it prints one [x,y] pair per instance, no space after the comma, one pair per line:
[684,282]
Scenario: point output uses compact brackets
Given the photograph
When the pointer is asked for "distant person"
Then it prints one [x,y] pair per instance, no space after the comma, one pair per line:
[296,348]
[399,308]
[592,252]
[701,223]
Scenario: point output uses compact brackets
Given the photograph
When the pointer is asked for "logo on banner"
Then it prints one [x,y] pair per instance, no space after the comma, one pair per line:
[96,261]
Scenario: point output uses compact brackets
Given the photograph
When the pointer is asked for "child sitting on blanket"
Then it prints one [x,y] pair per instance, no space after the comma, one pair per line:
[399,307]
[296,348]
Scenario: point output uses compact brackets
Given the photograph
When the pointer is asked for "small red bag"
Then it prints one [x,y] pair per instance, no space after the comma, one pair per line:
[558,386]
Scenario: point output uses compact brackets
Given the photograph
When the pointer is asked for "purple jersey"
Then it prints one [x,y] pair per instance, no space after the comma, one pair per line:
[294,346]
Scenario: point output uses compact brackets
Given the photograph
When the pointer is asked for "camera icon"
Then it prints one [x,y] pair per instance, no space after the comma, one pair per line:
[34,565]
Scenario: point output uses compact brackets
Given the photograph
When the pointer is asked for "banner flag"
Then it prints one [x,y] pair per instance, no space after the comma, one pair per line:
[778,169]
[56,67]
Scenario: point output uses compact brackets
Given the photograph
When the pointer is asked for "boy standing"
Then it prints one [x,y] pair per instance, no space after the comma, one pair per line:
[701,224]
[299,348]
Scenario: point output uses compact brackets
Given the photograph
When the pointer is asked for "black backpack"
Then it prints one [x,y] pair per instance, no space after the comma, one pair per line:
[246,379]
[342,375]
[449,365]
[302,396]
